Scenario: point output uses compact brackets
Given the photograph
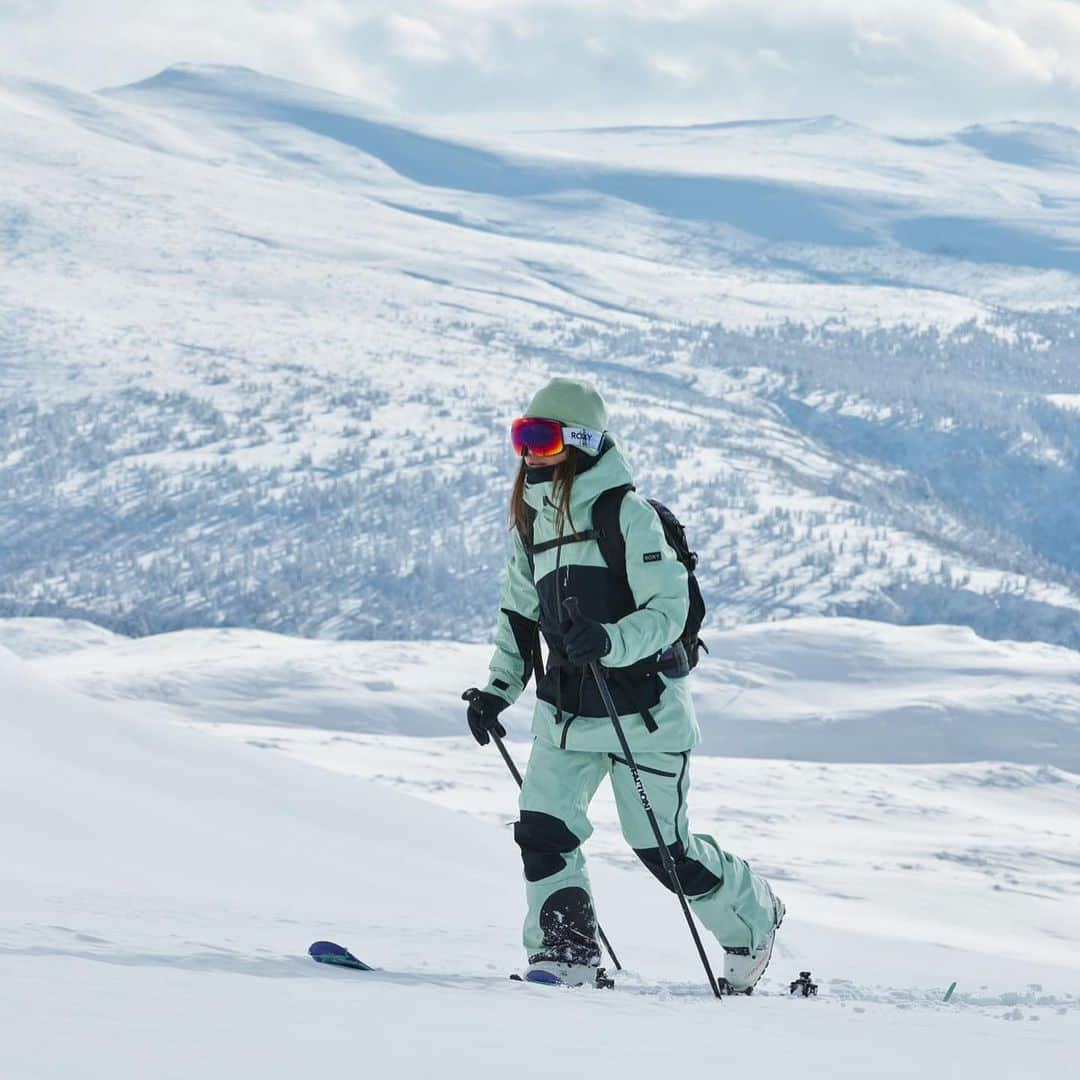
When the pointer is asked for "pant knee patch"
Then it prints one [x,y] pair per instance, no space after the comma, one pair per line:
[695,878]
[569,925]
[543,840]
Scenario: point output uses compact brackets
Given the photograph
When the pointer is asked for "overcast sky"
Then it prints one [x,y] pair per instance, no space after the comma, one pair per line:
[896,64]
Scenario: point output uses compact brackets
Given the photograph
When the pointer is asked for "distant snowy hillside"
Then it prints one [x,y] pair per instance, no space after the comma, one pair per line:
[259,345]
[808,689]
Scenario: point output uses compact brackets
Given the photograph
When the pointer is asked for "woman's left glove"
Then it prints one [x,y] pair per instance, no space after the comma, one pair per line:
[483,715]
[586,640]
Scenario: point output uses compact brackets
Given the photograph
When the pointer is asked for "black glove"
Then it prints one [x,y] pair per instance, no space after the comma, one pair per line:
[585,641]
[483,714]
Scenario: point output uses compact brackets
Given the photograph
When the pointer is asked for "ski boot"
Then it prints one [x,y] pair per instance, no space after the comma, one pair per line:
[744,967]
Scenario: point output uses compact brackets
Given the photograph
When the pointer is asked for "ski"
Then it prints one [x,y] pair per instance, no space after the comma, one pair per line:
[328,952]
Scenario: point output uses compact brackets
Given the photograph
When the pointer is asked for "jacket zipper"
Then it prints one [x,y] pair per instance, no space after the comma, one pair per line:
[642,768]
[566,731]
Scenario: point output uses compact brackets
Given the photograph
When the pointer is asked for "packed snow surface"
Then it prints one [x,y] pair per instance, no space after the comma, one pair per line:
[165,866]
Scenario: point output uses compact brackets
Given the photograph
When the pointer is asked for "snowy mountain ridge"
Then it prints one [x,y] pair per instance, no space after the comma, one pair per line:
[259,345]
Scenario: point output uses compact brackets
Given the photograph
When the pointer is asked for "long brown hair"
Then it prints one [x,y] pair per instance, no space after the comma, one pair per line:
[562,485]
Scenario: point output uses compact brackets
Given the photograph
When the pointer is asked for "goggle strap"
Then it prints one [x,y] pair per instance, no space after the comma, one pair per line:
[587,439]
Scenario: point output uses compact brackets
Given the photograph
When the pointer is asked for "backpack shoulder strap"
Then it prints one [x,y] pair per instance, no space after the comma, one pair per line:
[532,549]
[609,537]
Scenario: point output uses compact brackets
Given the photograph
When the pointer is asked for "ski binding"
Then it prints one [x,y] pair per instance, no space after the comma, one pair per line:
[803,985]
[543,978]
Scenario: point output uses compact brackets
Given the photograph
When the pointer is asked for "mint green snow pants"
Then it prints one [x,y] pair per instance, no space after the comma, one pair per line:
[725,894]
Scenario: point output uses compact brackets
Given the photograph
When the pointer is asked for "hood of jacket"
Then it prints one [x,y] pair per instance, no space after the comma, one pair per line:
[609,470]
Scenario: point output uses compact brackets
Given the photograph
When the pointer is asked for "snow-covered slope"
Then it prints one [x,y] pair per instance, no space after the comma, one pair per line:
[818,181]
[825,181]
[258,346]
[159,886]
[134,808]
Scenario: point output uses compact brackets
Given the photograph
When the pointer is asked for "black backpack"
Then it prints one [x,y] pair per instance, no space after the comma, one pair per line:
[612,545]
[608,536]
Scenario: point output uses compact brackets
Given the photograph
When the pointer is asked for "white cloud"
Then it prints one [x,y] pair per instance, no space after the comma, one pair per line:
[772,58]
[906,63]
[674,67]
[416,39]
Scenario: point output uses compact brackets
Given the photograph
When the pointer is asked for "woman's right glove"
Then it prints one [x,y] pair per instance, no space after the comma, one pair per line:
[483,715]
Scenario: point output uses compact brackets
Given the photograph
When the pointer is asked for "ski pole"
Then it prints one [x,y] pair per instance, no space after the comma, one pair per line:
[507,758]
[517,776]
[573,609]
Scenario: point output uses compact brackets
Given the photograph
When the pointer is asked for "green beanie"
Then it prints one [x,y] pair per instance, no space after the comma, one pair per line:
[572,402]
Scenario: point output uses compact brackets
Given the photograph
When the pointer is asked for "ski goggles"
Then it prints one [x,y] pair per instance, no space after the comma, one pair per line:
[546,438]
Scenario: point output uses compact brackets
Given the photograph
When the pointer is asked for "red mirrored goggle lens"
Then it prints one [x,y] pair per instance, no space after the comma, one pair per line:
[540,437]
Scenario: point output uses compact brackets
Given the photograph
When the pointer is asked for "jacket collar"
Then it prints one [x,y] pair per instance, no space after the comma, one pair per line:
[609,470]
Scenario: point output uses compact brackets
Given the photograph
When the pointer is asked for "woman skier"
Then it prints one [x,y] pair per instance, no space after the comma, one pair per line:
[629,621]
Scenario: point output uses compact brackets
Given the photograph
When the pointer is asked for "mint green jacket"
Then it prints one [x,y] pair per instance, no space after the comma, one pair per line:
[659,587]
